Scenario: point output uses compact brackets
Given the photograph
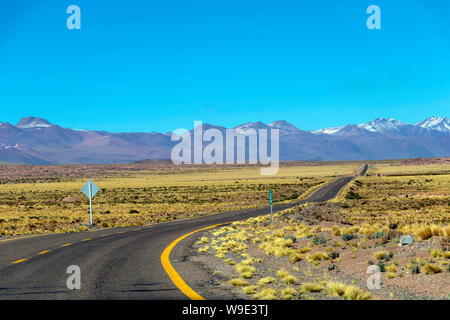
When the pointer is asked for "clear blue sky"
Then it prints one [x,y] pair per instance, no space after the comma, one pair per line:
[158,65]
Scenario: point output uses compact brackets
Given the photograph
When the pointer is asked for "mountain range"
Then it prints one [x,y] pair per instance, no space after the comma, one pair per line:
[37,141]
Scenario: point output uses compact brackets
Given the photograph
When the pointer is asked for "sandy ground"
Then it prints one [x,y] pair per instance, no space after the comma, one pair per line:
[351,267]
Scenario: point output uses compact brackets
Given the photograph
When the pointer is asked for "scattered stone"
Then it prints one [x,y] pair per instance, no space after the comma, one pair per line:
[70,200]
[406,240]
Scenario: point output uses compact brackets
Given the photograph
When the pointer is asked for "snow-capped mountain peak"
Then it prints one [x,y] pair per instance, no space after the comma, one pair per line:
[284,127]
[331,130]
[244,128]
[32,122]
[440,124]
[381,125]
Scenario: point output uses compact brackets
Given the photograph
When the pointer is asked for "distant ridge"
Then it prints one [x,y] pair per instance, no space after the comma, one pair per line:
[150,161]
[35,140]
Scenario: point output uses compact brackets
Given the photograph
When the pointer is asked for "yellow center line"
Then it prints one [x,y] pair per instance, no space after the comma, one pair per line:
[173,274]
[44,252]
[19,261]
[121,232]
[65,245]
[104,235]
[87,239]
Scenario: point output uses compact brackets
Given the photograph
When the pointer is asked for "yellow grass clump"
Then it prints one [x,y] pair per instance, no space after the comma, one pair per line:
[295,256]
[288,293]
[423,232]
[266,294]
[318,256]
[355,293]
[282,273]
[339,289]
[202,240]
[336,289]
[446,230]
[245,271]
[311,287]
[391,268]
[390,275]
[436,253]
[266,280]
[304,250]
[380,254]
[337,231]
[286,277]
[247,262]
[431,268]
[250,289]
[290,279]
[230,261]
[238,282]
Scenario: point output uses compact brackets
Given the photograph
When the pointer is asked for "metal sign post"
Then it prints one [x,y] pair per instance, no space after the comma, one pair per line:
[90,190]
[90,202]
[271,211]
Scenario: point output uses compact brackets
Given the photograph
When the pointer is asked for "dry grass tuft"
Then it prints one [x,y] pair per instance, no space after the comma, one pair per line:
[266,294]
[390,275]
[288,293]
[312,287]
[336,289]
[436,253]
[230,261]
[245,271]
[295,256]
[266,280]
[424,232]
[431,268]
[391,268]
[238,282]
[282,273]
[318,256]
[250,289]
[339,289]
[355,293]
[290,279]
[380,255]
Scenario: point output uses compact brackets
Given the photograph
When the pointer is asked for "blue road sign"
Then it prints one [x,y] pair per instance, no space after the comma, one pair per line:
[90,190]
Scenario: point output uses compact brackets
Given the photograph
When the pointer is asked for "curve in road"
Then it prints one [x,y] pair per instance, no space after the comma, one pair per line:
[122,263]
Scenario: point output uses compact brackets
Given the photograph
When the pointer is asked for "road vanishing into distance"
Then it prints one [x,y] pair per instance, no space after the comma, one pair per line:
[119,263]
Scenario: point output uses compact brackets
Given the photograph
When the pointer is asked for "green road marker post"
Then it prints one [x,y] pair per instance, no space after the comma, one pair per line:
[271,211]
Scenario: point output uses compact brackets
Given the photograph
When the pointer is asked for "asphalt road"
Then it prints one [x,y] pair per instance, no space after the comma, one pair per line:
[120,263]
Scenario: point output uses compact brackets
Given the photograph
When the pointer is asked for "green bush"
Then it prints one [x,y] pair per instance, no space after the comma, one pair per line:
[379,234]
[351,195]
[334,255]
[347,237]
[318,240]
[415,269]
[290,237]
[382,266]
